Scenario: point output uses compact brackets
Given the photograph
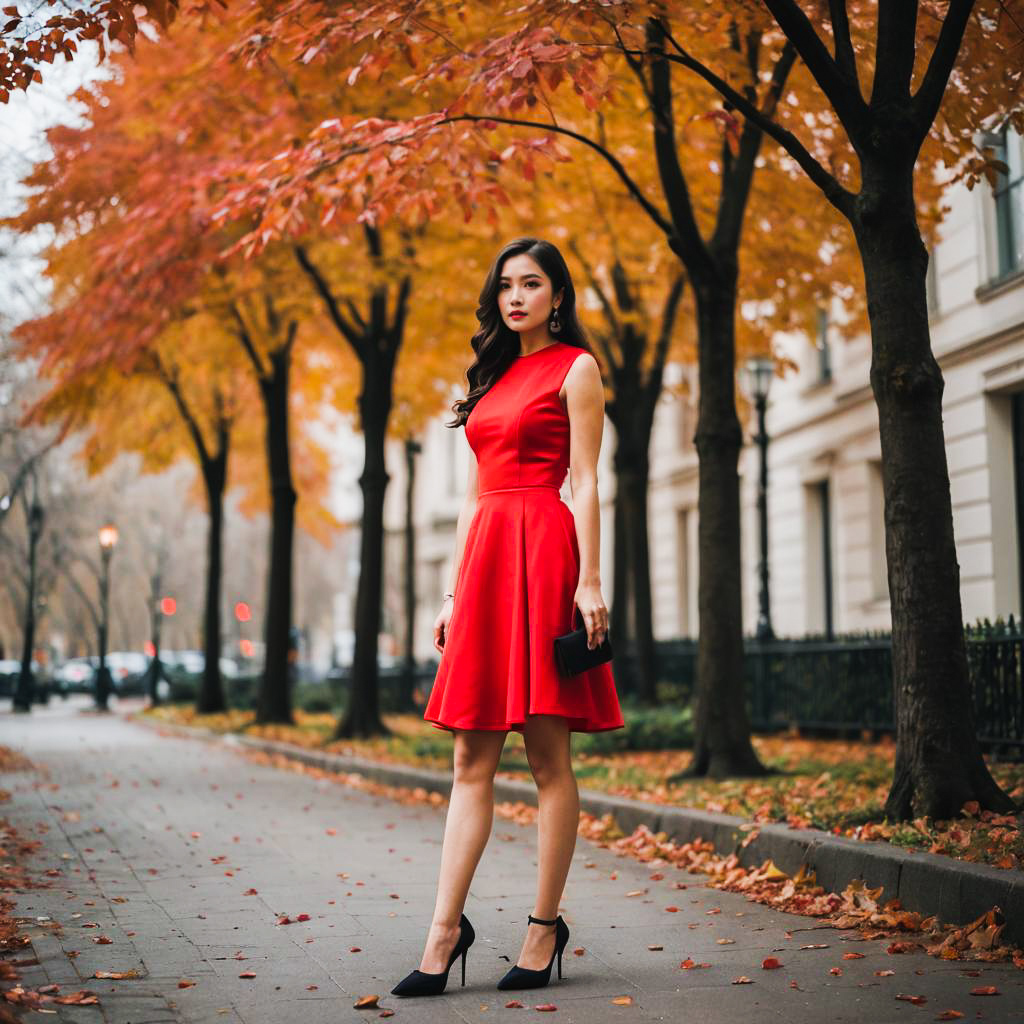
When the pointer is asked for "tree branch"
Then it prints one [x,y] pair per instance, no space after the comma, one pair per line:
[841,198]
[249,348]
[895,46]
[928,97]
[354,337]
[606,306]
[668,320]
[847,101]
[736,185]
[634,189]
[846,59]
[171,382]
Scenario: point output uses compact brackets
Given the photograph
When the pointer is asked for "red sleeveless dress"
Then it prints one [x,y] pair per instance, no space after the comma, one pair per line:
[520,567]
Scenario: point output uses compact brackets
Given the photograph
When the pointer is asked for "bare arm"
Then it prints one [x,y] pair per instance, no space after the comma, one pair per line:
[584,392]
[461,531]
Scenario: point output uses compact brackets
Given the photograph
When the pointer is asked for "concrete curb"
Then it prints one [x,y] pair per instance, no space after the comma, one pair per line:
[956,891]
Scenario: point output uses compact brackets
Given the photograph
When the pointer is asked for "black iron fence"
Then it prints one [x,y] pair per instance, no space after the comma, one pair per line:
[844,684]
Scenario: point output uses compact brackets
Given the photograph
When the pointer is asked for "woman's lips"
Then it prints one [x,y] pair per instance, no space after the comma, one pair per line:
[516,316]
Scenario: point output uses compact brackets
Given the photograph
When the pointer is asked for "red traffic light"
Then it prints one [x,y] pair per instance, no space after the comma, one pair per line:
[168,606]
[242,612]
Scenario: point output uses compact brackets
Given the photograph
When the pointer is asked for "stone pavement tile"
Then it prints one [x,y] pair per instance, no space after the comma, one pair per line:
[285,852]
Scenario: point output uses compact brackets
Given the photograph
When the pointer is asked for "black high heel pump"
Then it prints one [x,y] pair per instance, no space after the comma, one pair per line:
[421,983]
[524,977]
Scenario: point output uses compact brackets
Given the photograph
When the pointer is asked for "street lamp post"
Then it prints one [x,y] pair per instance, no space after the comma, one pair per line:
[24,694]
[104,684]
[759,372]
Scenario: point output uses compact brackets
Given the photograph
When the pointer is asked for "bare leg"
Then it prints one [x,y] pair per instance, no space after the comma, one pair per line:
[467,828]
[547,749]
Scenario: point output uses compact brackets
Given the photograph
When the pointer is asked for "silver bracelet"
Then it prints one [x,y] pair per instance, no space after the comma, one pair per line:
[444,597]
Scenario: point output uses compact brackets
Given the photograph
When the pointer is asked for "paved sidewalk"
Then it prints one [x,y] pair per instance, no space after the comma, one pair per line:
[159,839]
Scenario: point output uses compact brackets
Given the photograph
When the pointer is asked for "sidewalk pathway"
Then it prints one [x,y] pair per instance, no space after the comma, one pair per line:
[159,840]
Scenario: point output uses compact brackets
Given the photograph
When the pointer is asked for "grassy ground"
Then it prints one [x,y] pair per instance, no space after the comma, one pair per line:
[836,785]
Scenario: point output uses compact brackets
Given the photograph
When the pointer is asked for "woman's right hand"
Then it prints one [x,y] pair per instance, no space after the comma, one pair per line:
[441,625]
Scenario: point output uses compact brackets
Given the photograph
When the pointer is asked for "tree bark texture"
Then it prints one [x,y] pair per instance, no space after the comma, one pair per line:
[210,696]
[721,723]
[274,701]
[939,765]
[362,715]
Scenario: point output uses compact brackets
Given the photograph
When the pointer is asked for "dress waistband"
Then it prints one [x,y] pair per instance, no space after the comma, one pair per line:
[524,487]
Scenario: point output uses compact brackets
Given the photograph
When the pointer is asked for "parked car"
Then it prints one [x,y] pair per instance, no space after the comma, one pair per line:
[126,670]
[192,663]
[76,675]
[9,672]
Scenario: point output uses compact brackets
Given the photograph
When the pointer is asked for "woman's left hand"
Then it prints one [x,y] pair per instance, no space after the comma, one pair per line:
[594,611]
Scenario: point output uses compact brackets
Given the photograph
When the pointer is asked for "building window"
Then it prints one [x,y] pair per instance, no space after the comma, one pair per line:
[932,284]
[683,569]
[686,411]
[1018,466]
[1009,197]
[818,580]
[821,343]
[876,533]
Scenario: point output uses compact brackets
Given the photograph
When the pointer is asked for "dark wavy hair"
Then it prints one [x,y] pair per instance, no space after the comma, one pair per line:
[495,344]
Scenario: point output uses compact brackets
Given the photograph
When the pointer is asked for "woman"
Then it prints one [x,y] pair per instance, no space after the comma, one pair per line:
[523,564]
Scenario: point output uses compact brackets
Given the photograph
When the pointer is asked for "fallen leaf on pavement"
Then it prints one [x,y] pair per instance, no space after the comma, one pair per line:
[366,1002]
[83,997]
[623,1000]
[837,971]
[742,980]
[853,956]
[513,1004]
[985,990]
[248,974]
[884,974]
[916,1000]
[655,949]
[546,1008]
[726,942]
[816,945]
[770,963]
[185,983]
[115,975]
[949,1015]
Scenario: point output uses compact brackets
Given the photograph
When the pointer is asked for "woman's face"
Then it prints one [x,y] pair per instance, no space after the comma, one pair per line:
[524,294]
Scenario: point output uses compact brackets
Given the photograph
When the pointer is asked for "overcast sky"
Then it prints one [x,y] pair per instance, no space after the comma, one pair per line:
[24,120]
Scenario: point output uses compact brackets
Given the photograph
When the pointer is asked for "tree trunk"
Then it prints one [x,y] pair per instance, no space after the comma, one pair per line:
[274,701]
[721,724]
[362,716]
[412,449]
[210,697]
[939,765]
[631,599]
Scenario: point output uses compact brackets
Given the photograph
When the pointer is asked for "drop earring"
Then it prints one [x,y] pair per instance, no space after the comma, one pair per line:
[555,325]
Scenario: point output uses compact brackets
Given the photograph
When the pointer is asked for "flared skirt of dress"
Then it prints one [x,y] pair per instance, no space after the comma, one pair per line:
[515,594]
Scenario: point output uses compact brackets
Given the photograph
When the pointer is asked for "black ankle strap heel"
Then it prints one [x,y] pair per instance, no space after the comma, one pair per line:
[524,977]
[420,983]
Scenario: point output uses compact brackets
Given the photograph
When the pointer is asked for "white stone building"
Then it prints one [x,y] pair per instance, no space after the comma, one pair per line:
[826,550]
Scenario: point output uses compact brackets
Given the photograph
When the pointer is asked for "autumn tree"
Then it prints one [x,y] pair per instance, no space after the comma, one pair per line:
[510,66]
[135,181]
[935,78]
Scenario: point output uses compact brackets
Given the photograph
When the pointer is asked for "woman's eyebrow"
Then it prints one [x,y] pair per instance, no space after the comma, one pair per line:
[505,277]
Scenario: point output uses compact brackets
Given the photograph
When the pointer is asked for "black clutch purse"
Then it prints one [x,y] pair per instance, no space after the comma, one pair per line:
[572,654]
